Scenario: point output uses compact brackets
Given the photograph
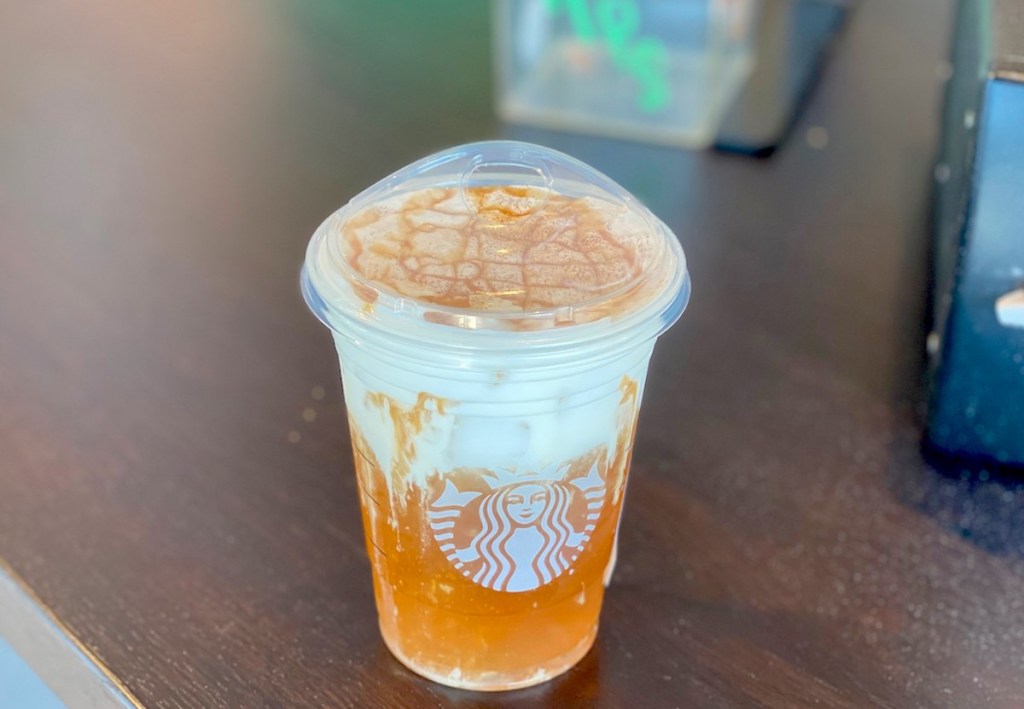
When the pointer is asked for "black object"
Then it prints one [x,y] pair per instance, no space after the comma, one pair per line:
[789,45]
[977,342]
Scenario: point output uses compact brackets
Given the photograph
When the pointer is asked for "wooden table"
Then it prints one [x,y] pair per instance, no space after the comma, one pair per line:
[175,479]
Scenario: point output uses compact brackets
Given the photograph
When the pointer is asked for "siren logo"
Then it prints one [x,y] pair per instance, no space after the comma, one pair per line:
[525,532]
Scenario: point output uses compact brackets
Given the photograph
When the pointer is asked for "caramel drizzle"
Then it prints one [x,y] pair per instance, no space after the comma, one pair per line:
[510,253]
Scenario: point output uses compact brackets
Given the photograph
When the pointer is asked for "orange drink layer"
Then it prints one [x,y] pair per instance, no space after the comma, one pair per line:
[494,309]
[487,578]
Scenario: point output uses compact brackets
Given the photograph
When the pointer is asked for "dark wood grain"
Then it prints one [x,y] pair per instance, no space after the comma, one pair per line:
[164,491]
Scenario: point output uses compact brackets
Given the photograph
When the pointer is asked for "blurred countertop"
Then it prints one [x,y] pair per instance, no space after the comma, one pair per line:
[176,486]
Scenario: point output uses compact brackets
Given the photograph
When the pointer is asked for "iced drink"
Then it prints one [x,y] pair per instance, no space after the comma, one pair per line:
[494,308]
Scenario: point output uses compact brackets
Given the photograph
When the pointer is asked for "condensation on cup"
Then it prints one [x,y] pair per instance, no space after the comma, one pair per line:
[494,308]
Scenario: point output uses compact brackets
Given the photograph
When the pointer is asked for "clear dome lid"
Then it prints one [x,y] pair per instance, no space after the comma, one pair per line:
[496,236]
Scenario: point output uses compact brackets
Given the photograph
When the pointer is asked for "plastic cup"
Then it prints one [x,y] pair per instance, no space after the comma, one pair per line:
[494,307]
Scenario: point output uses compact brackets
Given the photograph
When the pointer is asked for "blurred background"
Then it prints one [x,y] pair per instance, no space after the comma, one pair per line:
[171,491]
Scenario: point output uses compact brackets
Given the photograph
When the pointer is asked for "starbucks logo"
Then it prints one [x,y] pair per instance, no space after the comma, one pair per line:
[526,531]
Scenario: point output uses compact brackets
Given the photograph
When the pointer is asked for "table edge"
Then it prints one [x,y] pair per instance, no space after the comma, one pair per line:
[69,668]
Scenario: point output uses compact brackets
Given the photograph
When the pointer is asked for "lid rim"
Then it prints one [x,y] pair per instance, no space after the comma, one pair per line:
[567,339]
